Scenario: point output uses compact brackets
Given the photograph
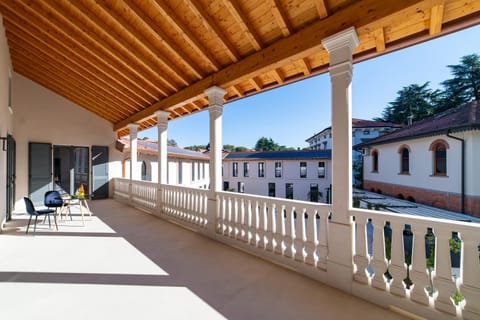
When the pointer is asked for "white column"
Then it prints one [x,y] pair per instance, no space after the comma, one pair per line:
[215,109]
[340,263]
[162,160]
[162,124]
[133,128]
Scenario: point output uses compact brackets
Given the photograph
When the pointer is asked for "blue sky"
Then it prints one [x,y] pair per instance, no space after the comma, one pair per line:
[292,113]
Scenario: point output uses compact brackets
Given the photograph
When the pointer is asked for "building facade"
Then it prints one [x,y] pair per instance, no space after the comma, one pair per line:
[362,131]
[435,161]
[185,167]
[300,175]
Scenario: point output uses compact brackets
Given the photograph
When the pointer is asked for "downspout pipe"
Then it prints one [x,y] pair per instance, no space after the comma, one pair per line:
[462,169]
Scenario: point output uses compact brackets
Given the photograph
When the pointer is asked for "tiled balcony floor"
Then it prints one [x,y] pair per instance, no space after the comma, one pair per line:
[126,264]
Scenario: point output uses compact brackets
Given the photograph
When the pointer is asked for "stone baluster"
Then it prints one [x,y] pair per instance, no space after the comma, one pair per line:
[397,265]
[311,240]
[379,262]
[270,227]
[419,275]
[361,258]
[322,247]
[262,224]
[289,232]
[243,224]
[470,274]
[443,271]
[279,229]
[299,234]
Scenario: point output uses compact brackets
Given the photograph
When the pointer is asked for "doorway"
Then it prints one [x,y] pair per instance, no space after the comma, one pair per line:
[71,168]
[11,151]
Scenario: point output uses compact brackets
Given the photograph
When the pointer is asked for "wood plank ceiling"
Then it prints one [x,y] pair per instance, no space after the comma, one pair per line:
[123,60]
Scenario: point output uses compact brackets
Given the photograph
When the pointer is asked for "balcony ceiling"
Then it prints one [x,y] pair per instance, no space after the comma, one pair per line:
[123,60]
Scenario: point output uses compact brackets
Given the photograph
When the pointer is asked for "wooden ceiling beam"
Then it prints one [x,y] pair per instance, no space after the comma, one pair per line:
[244,23]
[17,36]
[237,90]
[68,73]
[187,34]
[160,66]
[305,66]
[211,25]
[257,84]
[299,45]
[164,39]
[379,36]
[322,8]
[195,105]
[436,18]
[278,76]
[281,17]
[66,91]
[126,54]
[30,17]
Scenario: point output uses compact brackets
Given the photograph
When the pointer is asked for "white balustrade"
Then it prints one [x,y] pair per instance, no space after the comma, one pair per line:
[419,270]
[186,205]
[293,229]
[391,252]
[121,189]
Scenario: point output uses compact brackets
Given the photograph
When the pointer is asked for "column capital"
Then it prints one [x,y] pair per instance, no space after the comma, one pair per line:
[162,115]
[215,110]
[215,95]
[341,45]
[133,128]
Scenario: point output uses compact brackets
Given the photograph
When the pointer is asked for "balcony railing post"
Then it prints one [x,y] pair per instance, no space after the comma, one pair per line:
[340,257]
[470,274]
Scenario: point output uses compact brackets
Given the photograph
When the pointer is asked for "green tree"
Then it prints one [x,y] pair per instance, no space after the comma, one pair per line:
[266,144]
[241,149]
[197,147]
[229,147]
[172,143]
[415,102]
[464,86]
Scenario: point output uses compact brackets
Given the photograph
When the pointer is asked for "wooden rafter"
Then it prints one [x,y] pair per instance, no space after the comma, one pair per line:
[74,64]
[436,18]
[187,34]
[322,8]
[278,76]
[164,39]
[379,39]
[299,45]
[305,66]
[244,23]
[51,34]
[73,26]
[281,17]
[257,84]
[237,90]
[211,25]
[122,46]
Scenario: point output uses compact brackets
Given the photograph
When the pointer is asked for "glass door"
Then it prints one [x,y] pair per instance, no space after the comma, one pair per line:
[11,150]
[71,168]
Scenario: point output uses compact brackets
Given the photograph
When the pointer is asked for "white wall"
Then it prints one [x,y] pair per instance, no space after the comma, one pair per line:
[421,165]
[43,116]
[290,174]
[172,171]
[472,167]
[5,117]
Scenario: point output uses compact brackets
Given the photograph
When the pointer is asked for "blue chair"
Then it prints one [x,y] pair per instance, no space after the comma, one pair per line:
[53,199]
[32,212]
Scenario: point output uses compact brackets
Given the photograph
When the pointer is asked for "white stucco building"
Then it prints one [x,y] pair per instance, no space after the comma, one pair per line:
[362,130]
[185,167]
[301,175]
[435,161]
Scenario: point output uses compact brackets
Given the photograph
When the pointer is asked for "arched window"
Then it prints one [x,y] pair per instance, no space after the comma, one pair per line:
[374,161]
[439,150]
[404,152]
[144,171]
